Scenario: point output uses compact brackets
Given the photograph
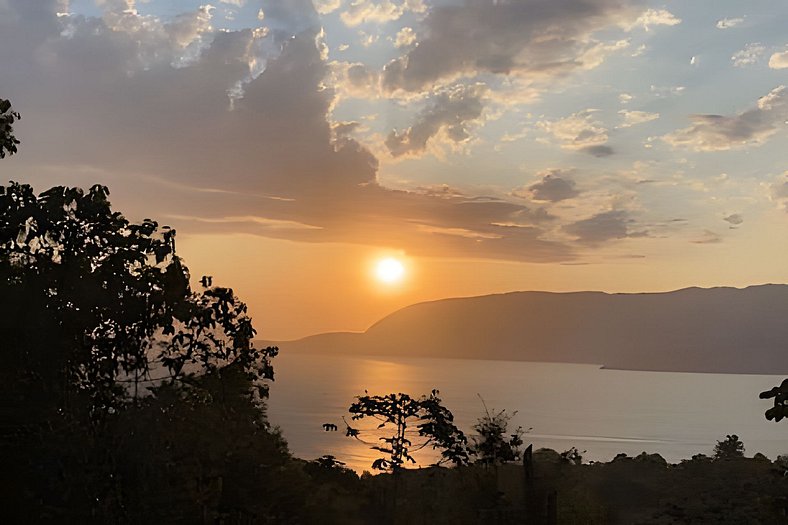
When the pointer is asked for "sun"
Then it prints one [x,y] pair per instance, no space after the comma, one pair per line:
[389,270]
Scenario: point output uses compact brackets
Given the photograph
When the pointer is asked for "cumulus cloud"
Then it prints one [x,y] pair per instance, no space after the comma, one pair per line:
[779,60]
[355,79]
[325,7]
[379,11]
[633,118]
[779,190]
[601,227]
[405,37]
[655,17]
[537,38]
[555,185]
[727,23]
[580,131]
[163,136]
[450,112]
[752,127]
[748,56]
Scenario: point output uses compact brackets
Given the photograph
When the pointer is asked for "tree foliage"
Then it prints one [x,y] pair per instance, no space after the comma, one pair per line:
[780,395]
[8,142]
[415,423]
[93,306]
[124,386]
[730,447]
[492,444]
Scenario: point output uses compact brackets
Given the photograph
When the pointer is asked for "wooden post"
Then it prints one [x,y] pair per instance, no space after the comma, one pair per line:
[528,487]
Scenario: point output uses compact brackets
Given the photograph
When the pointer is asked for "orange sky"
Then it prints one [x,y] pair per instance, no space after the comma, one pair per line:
[296,289]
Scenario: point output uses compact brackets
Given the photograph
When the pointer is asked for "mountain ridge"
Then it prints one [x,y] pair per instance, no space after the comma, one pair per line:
[720,329]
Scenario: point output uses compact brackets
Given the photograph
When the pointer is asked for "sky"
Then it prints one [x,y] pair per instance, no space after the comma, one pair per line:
[488,145]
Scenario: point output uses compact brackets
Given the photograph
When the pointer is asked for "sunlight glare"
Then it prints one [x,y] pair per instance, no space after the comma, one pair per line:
[389,270]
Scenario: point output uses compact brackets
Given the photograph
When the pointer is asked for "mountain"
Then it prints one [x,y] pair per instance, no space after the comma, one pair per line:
[691,330]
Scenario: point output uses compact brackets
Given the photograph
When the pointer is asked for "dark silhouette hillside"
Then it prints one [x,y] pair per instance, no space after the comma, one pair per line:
[694,330]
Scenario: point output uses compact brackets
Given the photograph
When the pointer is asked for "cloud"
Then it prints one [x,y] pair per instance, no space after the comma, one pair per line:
[779,60]
[451,111]
[541,39]
[598,151]
[752,127]
[779,191]
[633,118]
[581,132]
[554,186]
[748,56]
[734,219]
[601,227]
[727,23]
[355,79]
[380,11]
[405,37]
[655,17]
[707,237]
[161,132]
[325,7]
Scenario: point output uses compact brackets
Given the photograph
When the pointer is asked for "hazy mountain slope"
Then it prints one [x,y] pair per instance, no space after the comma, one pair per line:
[712,330]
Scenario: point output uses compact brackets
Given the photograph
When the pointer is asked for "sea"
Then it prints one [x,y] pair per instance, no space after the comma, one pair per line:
[600,412]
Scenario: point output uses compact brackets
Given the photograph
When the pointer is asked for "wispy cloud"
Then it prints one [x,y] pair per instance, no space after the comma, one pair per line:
[752,127]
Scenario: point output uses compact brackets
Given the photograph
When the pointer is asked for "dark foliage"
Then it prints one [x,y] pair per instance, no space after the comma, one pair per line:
[433,425]
[94,306]
[8,142]
[121,386]
[780,395]
[492,443]
[730,447]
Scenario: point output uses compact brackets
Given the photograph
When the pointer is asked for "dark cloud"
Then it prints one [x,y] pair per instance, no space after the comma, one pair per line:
[707,237]
[601,227]
[449,111]
[734,219]
[751,127]
[534,37]
[598,151]
[554,187]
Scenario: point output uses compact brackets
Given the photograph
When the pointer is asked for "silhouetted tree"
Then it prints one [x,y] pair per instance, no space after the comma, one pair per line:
[780,395]
[730,447]
[492,445]
[8,141]
[415,423]
[572,456]
[94,305]
[101,329]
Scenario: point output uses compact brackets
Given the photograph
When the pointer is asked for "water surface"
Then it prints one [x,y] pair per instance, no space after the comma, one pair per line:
[599,411]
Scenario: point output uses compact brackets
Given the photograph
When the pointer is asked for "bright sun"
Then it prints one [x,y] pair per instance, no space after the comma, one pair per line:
[389,270]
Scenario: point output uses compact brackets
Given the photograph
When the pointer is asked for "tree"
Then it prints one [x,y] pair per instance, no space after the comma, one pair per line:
[780,395]
[108,350]
[415,423]
[492,445]
[729,448]
[8,141]
[93,306]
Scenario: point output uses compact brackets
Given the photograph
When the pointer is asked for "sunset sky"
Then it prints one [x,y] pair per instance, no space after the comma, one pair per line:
[487,145]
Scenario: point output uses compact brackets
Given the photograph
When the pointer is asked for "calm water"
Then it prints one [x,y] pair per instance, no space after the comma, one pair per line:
[603,412]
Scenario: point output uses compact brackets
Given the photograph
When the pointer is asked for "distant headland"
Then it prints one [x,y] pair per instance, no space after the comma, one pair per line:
[722,330]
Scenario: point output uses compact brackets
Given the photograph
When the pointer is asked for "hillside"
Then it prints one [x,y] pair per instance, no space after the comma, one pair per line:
[694,330]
